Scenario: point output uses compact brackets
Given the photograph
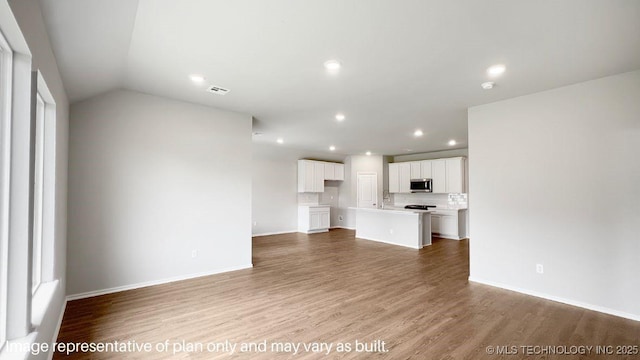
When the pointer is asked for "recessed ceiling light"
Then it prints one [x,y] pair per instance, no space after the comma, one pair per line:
[496,70]
[280,140]
[452,142]
[332,65]
[332,148]
[368,153]
[197,78]
[340,117]
[488,85]
[418,133]
[408,150]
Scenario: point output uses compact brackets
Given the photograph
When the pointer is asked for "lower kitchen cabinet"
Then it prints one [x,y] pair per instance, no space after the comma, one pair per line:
[449,223]
[313,218]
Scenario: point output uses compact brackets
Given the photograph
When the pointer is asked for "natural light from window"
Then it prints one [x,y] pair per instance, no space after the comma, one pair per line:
[5,113]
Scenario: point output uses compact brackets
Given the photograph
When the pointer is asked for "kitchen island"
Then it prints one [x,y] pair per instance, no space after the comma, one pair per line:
[410,228]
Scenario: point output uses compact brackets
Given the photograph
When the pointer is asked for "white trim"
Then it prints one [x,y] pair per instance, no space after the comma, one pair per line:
[343,227]
[6,67]
[275,233]
[56,331]
[580,304]
[89,294]
[387,242]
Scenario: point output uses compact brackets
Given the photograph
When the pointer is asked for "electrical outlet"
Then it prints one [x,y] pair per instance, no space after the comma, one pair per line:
[255,223]
[391,231]
[194,254]
[539,269]
[340,218]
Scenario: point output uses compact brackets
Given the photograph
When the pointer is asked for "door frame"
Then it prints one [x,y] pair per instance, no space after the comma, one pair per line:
[357,187]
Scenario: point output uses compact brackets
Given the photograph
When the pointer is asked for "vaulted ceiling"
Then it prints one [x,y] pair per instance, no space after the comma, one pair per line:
[406,65]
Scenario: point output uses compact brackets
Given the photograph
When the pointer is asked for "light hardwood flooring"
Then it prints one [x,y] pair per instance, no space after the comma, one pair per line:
[334,288]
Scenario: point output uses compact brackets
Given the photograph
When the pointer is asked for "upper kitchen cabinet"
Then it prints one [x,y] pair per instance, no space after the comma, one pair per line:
[425,169]
[312,174]
[400,177]
[333,171]
[448,175]
[455,175]
[439,175]
[394,178]
[416,172]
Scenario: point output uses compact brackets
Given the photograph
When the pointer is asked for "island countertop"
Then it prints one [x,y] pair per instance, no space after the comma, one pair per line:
[397,226]
[393,210]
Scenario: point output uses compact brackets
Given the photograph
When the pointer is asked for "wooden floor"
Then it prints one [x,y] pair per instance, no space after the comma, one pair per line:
[334,288]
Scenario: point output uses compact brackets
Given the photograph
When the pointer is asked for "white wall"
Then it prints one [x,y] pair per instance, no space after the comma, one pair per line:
[555,180]
[29,18]
[151,180]
[275,186]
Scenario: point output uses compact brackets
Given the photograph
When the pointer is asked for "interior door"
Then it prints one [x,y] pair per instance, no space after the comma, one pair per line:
[368,190]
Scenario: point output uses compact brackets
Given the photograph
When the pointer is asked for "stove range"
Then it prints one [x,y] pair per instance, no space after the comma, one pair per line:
[419,207]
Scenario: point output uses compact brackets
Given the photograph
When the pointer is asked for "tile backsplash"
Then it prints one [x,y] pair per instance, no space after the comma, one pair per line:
[308,198]
[440,200]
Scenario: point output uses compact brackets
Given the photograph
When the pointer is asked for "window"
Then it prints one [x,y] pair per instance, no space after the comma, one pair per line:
[38,188]
[5,113]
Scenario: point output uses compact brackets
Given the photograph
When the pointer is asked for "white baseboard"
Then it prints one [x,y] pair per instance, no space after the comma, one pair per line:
[343,227]
[275,233]
[387,242]
[56,332]
[154,282]
[580,304]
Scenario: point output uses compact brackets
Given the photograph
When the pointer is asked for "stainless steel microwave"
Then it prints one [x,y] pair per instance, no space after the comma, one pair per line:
[421,185]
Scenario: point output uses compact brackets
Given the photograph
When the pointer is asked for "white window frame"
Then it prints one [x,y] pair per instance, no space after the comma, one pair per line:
[38,194]
[6,76]
[43,281]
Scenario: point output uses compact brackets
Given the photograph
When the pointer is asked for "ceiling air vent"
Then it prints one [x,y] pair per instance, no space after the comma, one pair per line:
[218,90]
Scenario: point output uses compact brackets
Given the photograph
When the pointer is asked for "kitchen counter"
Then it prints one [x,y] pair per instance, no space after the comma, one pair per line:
[396,210]
[397,226]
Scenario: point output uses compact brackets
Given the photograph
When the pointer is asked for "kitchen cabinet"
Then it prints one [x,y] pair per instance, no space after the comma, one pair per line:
[312,174]
[333,171]
[455,175]
[329,171]
[405,177]
[313,219]
[425,169]
[449,223]
[394,178]
[339,172]
[448,175]
[318,176]
[416,172]
[399,178]
[439,175]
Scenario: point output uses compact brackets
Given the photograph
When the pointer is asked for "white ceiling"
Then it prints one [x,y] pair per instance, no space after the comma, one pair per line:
[406,64]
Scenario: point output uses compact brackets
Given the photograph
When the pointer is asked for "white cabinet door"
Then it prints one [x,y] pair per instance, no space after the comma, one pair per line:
[455,175]
[315,221]
[339,172]
[405,177]
[416,172]
[329,171]
[425,169]
[394,178]
[305,176]
[324,220]
[439,175]
[318,176]
[435,224]
[449,225]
